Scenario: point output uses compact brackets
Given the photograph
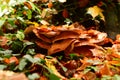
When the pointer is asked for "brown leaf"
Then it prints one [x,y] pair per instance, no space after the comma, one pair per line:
[28,5]
[89,76]
[3,41]
[97,52]
[116,48]
[105,70]
[83,66]
[43,78]
[29,29]
[65,13]
[83,3]
[117,39]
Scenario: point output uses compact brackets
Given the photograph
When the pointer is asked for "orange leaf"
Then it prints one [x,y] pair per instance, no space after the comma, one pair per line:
[39,56]
[3,41]
[14,59]
[28,5]
[115,55]
[6,60]
[50,5]
[43,78]
[114,62]
[24,12]
[105,70]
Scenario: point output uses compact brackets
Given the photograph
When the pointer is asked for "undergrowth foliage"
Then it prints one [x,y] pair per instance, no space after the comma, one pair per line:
[57,40]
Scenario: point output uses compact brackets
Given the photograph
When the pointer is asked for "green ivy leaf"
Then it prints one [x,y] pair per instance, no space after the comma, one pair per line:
[68,21]
[28,43]
[33,76]
[31,51]
[22,64]
[20,35]
[16,46]
[2,67]
[29,58]
[5,52]
[11,22]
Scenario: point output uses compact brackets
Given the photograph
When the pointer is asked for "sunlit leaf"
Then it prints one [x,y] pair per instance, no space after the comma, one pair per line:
[31,51]
[29,14]
[20,35]
[22,64]
[62,1]
[33,76]
[96,11]
[106,77]
[53,77]
[2,21]
[27,43]
[34,7]
[116,77]
[2,66]
[29,58]
[51,66]
[6,52]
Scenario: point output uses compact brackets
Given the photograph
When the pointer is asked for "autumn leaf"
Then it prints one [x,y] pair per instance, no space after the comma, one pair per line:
[96,11]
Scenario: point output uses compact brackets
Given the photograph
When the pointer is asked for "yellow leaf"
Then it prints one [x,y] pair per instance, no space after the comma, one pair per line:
[95,11]
[33,23]
[50,65]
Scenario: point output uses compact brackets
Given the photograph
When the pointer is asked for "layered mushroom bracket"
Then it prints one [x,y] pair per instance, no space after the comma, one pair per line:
[70,39]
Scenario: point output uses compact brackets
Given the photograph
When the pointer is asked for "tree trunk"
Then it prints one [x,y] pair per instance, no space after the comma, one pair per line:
[112,17]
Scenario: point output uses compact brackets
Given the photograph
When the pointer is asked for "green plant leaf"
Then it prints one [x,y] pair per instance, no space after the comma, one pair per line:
[5,51]
[33,76]
[53,77]
[28,43]
[34,7]
[2,66]
[116,77]
[29,14]
[68,21]
[2,21]
[31,51]
[20,35]
[16,46]
[29,58]
[73,56]
[106,77]
[22,64]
